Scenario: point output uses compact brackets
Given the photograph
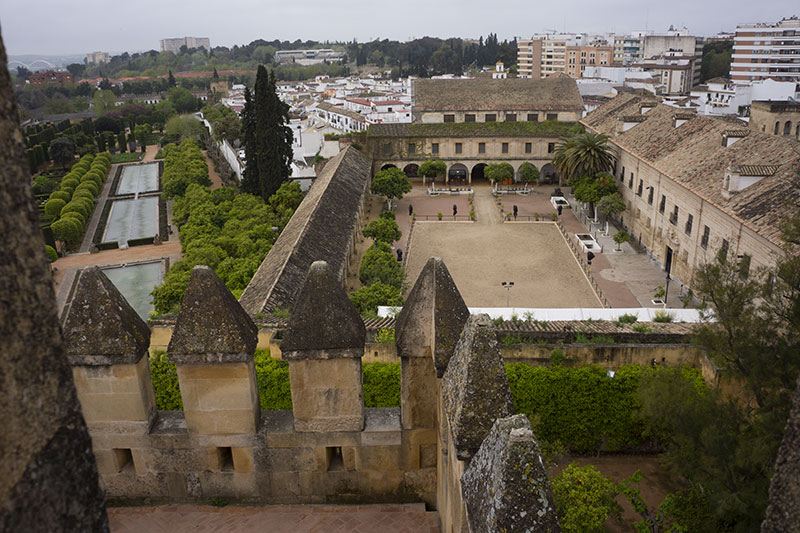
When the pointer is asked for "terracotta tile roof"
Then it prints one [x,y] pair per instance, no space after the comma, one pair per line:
[634,118]
[320,229]
[736,133]
[554,93]
[757,170]
[325,106]
[693,156]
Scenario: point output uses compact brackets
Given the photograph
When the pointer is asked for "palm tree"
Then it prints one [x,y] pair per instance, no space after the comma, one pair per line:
[581,155]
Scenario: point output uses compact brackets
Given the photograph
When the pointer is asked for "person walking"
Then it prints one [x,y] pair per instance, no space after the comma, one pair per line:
[455,210]
[410,210]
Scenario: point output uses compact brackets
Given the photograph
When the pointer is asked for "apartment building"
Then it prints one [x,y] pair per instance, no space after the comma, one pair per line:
[580,57]
[764,50]
[95,58]
[174,45]
[543,55]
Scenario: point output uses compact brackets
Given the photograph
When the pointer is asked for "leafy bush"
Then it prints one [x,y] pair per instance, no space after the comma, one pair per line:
[381,385]
[164,376]
[54,206]
[274,391]
[627,318]
[385,336]
[367,299]
[383,229]
[641,328]
[184,165]
[379,265]
[581,407]
[52,255]
[584,499]
[662,316]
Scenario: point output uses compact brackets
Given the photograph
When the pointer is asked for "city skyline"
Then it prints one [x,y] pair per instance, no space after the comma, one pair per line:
[47,27]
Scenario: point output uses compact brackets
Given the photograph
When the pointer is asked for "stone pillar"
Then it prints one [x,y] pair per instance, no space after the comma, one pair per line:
[324,344]
[107,344]
[427,330]
[212,346]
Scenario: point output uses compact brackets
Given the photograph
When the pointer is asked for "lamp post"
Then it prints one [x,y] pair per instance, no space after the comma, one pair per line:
[507,286]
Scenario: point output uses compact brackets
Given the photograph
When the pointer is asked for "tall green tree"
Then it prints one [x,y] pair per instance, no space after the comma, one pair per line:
[581,155]
[391,183]
[268,139]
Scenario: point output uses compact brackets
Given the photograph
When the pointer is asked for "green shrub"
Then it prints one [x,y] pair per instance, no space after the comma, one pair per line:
[274,392]
[61,195]
[379,265]
[77,206]
[584,499]
[382,385]
[367,299]
[52,255]
[69,183]
[641,328]
[66,229]
[77,216]
[662,316]
[626,319]
[54,206]
[164,376]
[385,336]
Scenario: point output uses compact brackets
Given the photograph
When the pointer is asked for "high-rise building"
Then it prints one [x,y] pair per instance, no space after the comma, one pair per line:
[764,50]
[174,45]
[94,58]
[546,54]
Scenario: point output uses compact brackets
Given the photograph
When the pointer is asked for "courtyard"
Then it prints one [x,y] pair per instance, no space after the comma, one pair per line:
[482,256]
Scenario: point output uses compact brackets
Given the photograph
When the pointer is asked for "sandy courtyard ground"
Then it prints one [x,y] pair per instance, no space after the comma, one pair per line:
[532,255]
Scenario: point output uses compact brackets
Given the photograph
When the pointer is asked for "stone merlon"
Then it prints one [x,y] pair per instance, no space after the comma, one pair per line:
[324,323]
[211,327]
[505,486]
[475,389]
[433,305]
[101,328]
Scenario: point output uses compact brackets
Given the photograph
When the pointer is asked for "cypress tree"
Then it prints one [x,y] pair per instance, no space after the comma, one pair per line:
[268,140]
[171,79]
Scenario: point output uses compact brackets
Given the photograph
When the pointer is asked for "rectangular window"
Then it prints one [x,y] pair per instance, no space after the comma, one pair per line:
[412,148]
[723,251]
[490,117]
[663,204]
[622,175]
[630,181]
[640,188]
[704,238]
[469,117]
[505,148]
[689,221]
[528,148]
[533,117]
[551,147]
[435,148]
[123,457]
[511,117]
[552,116]
[744,266]
[650,196]
[387,149]
[449,118]
[673,218]
[481,148]
[458,148]
[225,458]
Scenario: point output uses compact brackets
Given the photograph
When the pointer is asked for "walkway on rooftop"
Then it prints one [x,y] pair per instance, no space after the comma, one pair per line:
[388,518]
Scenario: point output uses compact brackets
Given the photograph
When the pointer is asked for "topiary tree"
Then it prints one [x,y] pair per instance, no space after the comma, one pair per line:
[528,173]
[432,168]
[52,255]
[497,172]
[391,183]
[611,205]
[54,206]
[62,151]
[66,230]
[379,265]
[383,230]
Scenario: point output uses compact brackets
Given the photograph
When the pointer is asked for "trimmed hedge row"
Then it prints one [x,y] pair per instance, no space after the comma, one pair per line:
[381,383]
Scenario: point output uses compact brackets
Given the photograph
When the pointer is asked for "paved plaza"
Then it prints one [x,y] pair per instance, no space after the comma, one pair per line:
[410,518]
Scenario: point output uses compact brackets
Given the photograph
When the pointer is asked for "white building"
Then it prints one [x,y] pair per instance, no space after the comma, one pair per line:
[762,51]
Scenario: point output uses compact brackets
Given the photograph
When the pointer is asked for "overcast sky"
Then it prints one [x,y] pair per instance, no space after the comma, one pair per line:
[80,26]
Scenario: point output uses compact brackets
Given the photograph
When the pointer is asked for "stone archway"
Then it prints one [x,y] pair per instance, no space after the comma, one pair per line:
[388,166]
[411,170]
[549,174]
[477,172]
[518,177]
[457,174]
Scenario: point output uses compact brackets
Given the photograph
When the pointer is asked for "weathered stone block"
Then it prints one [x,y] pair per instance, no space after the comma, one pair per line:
[383,458]
[475,389]
[327,394]
[418,392]
[505,486]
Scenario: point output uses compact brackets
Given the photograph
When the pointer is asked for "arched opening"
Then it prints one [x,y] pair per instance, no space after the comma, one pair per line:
[457,174]
[787,128]
[797,130]
[478,172]
[777,128]
[530,167]
[549,175]
[411,170]
[388,166]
